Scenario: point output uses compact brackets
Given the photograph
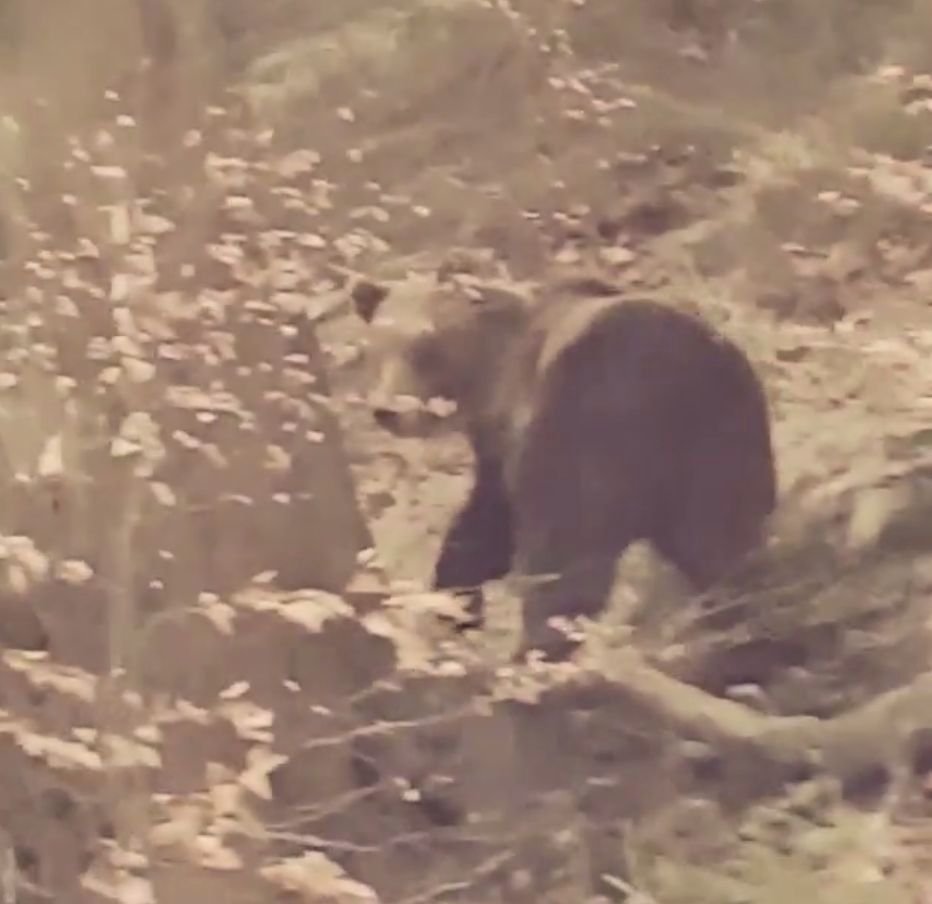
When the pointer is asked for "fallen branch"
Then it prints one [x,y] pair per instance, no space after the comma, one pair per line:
[880,734]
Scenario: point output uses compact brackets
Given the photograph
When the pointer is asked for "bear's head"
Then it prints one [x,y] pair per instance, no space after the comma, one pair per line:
[433,350]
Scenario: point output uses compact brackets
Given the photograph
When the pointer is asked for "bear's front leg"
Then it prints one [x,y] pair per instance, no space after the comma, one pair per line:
[479,545]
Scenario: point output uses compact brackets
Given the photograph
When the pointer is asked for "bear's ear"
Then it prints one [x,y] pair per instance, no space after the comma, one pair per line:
[366,297]
[465,262]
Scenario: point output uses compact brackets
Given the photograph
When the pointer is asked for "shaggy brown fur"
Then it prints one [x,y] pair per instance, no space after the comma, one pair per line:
[595,422]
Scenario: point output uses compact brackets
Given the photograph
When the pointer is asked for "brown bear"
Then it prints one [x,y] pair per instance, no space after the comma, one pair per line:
[595,422]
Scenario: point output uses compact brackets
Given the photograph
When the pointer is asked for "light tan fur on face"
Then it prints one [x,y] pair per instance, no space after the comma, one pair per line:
[419,308]
[401,319]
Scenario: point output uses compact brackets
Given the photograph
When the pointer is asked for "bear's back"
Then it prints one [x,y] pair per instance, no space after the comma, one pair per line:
[597,355]
[656,417]
[606,351]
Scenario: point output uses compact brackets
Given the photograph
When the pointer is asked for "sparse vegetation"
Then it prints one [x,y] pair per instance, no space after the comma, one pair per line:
[213,686]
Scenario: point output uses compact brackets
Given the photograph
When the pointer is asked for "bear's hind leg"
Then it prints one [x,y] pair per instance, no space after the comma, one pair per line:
[479,545]
[576,511]
[580,588]
[720,512]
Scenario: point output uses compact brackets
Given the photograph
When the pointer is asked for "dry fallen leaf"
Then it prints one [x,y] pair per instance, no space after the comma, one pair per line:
[261,763]
[51,463]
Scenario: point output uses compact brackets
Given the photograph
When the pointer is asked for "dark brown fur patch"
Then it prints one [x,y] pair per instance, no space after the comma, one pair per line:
[595,422]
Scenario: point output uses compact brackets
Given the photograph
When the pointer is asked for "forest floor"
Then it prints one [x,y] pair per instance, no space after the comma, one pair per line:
[183,717]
